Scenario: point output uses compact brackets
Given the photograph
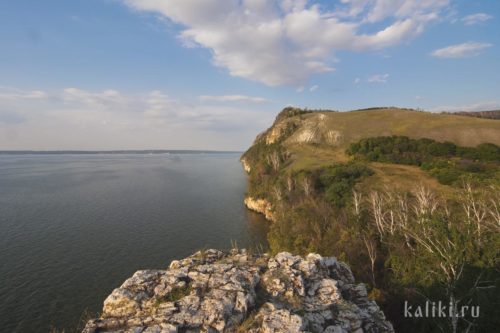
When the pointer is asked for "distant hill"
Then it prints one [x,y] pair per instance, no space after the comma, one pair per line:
[494,114]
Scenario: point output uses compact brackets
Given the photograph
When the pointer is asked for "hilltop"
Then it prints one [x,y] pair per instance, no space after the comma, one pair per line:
[341,128]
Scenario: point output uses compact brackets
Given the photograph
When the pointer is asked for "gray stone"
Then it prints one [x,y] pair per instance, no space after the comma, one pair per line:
[212,291]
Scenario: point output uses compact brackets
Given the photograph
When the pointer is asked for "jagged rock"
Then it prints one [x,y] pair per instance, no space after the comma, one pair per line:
[213,291]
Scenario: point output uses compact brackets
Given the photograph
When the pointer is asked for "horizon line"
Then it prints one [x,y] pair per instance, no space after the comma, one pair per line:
[113,151]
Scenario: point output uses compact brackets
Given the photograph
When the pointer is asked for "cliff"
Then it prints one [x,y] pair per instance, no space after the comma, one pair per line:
[213,291]
[260,206]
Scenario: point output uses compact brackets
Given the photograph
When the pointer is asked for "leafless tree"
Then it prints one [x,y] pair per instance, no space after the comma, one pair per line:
[274,159]
[494,211]
[307,186]
[277,193]
[357,200]
[377,209]
[371,248]
[425,203]
[289,183]
[427,224]
[479,211]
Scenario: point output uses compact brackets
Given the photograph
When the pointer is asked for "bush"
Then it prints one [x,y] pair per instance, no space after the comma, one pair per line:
[337,181]
[444,160]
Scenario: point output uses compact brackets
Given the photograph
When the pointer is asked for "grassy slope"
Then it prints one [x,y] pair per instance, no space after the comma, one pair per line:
[463,131]
[355,125]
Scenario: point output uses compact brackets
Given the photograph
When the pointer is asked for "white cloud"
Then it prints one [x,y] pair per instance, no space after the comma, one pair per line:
[476,18]
[378,10]
[357,80]
[7,93]
[464,50]
[102,99]
[284,42]
[233,98]
[75,118]
[378,78]
[314,88]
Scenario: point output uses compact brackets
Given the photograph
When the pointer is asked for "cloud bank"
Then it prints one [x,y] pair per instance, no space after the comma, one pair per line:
[75,118]
[284,42]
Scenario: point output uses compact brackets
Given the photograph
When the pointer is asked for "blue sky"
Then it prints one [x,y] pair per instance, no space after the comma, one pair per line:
[211,74]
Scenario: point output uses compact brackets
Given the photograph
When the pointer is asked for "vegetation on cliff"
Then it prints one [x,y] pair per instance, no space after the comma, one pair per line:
[409,199]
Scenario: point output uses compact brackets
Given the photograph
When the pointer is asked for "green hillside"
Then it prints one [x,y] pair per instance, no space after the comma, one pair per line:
[407,198]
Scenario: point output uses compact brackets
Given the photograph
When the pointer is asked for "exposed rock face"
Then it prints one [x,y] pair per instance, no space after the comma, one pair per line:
[246,166]
[260,206]
[274,134]
[315,130]
[212,291]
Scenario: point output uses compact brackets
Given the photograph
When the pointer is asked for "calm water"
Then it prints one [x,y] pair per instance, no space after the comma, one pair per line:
[73,227]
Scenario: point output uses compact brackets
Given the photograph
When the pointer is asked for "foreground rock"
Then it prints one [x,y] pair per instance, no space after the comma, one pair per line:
[212,291]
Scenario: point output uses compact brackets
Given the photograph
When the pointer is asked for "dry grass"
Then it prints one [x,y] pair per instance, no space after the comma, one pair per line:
[355,125]
[307,157]
[403,178]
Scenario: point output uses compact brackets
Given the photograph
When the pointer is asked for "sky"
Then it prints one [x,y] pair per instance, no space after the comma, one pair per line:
[212,74]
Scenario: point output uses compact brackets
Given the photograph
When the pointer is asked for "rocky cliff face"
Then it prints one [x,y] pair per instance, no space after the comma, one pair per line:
[246,165]
[213,291]
[260,206]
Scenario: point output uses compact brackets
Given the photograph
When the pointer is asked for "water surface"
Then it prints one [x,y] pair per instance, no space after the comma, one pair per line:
[73,227]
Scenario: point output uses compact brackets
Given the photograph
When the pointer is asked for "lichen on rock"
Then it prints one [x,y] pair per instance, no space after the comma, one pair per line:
[214,291]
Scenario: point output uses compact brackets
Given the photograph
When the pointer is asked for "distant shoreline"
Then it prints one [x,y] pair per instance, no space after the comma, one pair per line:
[107,152]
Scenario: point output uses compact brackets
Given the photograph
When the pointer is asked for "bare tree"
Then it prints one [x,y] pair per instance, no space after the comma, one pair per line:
[377,209]
[402,211]
[425,204]
[274,159]
[475,209]
[277,193]
[289,183]
[430,227]
[307,186]
[494,211]
[371,248]
[357,200]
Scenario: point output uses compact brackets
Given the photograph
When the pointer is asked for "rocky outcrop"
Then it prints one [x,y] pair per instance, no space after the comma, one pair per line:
[213,291]
[246,165]
[315,129]
[260,206]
